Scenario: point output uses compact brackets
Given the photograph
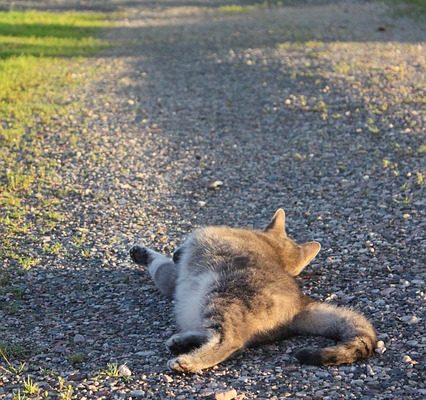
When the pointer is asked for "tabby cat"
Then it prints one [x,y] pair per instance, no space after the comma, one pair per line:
[235,288]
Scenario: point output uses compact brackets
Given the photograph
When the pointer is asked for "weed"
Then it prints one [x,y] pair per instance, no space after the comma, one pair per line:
[112,370]
[5,280]
[420,178]
[78,240]
[19,396]
[27,262]
[54,249]
[66,390]
[10,368]
[76,358]
[235,9]
[30,387]
[386,163]
[54,215]
[86,253]
[12,350]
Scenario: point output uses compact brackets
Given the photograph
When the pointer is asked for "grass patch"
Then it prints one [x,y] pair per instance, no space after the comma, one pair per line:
[235,9]
[76,358]
[41,54]
[411,8]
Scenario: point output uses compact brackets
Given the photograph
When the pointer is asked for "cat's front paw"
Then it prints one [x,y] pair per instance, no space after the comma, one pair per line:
[181,364]
[140,255]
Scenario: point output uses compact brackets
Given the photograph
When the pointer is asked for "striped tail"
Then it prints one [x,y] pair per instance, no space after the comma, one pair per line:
[355,333]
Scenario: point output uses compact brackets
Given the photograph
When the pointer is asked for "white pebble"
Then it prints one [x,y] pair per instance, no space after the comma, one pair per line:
[380,347]
[215,185]
[124,370]
[407,359]
[226,395]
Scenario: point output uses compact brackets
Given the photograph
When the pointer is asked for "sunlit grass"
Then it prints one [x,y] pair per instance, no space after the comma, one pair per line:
[40,56]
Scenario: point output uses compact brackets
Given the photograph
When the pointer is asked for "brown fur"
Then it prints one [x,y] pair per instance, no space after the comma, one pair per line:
[236,287]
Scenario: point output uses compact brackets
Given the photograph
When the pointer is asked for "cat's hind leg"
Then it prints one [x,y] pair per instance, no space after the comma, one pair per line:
[161,268]
[210,353]
[185,342]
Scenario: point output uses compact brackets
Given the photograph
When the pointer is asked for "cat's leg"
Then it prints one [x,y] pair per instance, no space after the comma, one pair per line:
[161,268]
[185,342]
[212,352]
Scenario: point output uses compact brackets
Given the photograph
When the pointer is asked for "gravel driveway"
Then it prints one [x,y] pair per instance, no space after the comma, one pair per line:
[316,107]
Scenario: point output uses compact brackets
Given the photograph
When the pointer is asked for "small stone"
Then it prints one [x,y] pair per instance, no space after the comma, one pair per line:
[137,393]
[130,102]
[167,379]
[410,319]
[215,185]
[146,353]
[370,370]
[124,370]
[380,347]
[201,203]
[407,359]
[78,339]
[226,395]
[388,291]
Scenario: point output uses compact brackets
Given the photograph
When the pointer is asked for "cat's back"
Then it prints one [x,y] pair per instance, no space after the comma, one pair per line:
[222,249]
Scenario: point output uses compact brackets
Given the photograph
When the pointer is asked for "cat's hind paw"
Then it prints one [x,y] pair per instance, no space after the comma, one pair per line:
[181,364]
[309,356]
[140,255]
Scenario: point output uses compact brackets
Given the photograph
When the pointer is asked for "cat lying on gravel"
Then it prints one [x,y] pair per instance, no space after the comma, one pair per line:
[235,288]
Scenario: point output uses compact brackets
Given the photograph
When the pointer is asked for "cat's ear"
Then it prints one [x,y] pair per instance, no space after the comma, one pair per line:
[308,251]
[278,222]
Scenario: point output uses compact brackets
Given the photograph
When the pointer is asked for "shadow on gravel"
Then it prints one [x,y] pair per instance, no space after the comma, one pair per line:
[115,314]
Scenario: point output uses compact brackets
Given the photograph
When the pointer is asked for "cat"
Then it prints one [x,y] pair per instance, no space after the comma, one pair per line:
[235,288]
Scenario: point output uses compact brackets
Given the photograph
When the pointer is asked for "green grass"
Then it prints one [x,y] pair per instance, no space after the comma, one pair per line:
[41,54]
[44,34]
[30,388]
[411,8]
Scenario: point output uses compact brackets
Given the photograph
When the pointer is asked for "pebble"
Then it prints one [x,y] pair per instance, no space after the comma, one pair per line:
[410,319]
[79,339]
[380,347]
[137,393]
[124,370]
[145,353]
[201,203]
[370,370]
[407,359]
[215,185]
[226,395]
[167,379]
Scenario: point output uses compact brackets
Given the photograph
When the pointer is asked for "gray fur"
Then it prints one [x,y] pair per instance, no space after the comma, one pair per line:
[236,287]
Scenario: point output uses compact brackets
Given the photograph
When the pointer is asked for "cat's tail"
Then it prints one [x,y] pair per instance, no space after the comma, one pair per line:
[355,333]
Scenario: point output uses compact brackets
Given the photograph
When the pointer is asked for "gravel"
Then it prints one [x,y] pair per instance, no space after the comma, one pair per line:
[314,108]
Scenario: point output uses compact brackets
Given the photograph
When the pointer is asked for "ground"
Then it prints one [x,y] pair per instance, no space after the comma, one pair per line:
[314,106]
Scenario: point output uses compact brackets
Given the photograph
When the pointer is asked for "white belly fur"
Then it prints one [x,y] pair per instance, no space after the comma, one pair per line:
[190,296]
